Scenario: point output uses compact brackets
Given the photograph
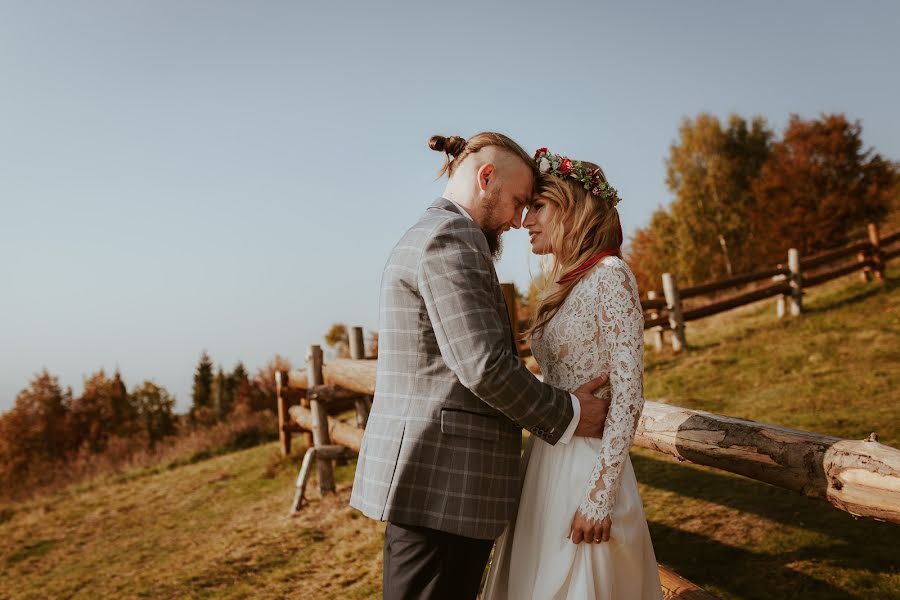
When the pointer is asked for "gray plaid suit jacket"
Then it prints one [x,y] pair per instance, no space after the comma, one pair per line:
[443,440]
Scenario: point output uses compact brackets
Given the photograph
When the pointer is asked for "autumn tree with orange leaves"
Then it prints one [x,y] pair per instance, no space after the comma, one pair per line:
[818,188]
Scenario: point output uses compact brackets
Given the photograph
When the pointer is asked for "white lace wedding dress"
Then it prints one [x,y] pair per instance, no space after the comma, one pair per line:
[598,329]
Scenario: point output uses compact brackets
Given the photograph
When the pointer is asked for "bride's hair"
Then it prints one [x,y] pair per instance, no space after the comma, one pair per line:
[457,148]
[583,225]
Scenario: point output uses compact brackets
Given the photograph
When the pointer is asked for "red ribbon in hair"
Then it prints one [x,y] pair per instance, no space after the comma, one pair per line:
[593,260]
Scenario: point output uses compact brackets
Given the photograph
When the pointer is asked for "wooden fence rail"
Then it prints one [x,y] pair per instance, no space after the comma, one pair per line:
[861,477]
[778,289]
[835,273]
[823,258]
[653,302]
[717,286]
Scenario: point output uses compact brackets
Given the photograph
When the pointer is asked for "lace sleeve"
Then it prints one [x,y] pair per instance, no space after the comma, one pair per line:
[621,329]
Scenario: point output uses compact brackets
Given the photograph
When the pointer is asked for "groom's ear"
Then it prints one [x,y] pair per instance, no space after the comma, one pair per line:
[485,174]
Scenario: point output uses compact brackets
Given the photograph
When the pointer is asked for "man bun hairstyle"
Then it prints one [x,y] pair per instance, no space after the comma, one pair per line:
[452,145]
[456,148]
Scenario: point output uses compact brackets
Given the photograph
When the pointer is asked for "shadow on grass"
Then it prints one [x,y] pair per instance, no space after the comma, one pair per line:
[852,295]
[857,543]
[739,572]
[33,550]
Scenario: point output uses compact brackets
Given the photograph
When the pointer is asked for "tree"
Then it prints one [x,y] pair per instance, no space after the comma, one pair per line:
[892,220]
[103,409]
[124,413]
[223,393]
[201,394]
[818,187]
[35,432]
[243,389]
[710,170]
[155,408]
[262,389]
[651,251]
[338,339]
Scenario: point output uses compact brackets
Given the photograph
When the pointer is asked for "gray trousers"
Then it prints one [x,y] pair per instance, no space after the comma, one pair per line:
[427,564]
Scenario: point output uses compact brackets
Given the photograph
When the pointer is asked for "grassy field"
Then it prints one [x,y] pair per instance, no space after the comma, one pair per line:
[219,528]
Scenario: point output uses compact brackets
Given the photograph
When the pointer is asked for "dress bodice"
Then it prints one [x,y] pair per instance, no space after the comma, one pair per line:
[569,349]
[598,330]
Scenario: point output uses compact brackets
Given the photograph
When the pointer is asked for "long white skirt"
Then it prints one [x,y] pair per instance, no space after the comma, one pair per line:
[533,558]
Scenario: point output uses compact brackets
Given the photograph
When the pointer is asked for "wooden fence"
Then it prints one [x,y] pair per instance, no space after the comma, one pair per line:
[666,310]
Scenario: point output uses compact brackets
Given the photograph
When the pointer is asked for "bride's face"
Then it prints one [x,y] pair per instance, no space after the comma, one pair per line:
[539,222]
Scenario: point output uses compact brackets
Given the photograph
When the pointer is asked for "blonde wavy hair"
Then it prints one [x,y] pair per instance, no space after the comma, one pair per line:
[582,226]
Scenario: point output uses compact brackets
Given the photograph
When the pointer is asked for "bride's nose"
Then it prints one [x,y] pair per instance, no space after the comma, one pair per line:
[528,221]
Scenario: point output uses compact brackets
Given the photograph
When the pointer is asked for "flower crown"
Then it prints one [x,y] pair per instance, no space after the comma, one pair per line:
[563,166]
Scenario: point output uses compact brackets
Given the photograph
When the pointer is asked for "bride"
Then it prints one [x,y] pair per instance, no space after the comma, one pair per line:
[580,531]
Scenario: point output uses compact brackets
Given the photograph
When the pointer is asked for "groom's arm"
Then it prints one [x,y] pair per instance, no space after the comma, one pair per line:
[455,279]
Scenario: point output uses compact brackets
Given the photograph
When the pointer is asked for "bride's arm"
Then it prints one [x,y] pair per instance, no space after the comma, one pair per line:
[621,324]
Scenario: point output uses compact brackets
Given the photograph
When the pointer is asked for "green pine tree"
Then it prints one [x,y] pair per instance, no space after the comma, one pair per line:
[224,393]
[202,393]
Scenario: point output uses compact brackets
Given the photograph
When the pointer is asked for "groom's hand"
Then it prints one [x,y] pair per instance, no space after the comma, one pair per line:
[593,409]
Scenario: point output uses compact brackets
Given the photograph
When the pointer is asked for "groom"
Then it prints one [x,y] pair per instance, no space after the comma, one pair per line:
[440,457]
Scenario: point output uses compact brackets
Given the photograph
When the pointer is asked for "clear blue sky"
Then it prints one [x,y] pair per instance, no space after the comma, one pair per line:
[178,176]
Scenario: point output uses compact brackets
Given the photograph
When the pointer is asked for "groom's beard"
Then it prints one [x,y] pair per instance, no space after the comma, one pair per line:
[491,231]
[495,244]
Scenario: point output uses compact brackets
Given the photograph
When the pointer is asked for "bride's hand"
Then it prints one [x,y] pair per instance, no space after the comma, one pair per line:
[591,532]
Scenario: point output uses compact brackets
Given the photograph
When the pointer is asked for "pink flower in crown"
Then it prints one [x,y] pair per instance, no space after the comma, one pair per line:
[565,165]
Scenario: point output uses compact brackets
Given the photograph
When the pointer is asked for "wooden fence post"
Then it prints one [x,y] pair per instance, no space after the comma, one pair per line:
[315,377]
[284,419]
[877,258]
[658,335]
[796,282]
[673,304]
[780,300]
[865,273]
[358,352]
[509,294]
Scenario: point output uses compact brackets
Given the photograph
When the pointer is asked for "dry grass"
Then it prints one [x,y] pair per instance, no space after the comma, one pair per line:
[217,528]
[131,456]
